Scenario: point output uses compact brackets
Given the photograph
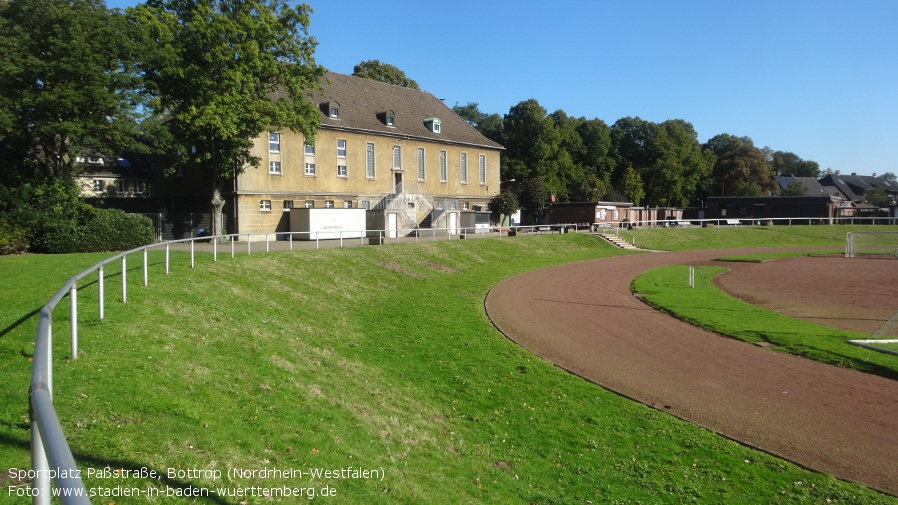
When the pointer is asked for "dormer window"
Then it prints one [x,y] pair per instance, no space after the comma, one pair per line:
[432,124]
[387,117]
[331,109]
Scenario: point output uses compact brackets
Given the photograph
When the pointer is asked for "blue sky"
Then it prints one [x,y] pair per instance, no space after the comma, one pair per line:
[817,78]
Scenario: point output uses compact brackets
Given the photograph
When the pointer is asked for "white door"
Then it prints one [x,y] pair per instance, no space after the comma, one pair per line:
[391,225]
[452,222]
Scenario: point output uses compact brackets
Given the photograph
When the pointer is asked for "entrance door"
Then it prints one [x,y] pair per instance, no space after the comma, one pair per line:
[397,178]
[452,222]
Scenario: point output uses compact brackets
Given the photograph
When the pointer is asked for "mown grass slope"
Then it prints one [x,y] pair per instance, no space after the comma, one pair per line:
[376,358]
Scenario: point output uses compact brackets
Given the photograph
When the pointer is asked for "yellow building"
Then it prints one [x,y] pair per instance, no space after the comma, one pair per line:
[398,152]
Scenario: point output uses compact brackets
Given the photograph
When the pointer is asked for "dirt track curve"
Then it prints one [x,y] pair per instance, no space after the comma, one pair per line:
[583,318]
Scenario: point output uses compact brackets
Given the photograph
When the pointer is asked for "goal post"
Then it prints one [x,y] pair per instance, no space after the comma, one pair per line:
[871,244]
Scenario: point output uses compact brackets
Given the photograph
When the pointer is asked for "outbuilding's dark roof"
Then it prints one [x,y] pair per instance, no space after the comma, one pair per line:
[363,104]
[812,186]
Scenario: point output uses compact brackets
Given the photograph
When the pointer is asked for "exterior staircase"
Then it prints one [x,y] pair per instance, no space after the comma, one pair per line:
[618,241]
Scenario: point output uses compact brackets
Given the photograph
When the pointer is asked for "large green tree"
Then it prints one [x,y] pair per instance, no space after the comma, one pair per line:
[383,72]
[531,143]
[67,86]
[224,72]
[489,125]
[786,163]
[741,169]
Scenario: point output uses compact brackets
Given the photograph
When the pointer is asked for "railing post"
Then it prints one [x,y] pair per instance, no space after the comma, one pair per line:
[73,318]
[124,279]
[167,248]
[100,295]
[291,240]
[41,481]
[192,263]
[146,279]
[214,249]
[232,247]
[249,248]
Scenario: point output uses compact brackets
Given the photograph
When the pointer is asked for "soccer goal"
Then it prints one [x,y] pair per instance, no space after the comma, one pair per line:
[871,244]
[885,339]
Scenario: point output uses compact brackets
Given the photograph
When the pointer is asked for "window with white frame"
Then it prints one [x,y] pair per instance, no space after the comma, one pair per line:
[463,167]
[99,185]
[397,157]
[288,204]
[464,206]
[444,176]
[328,204]
[365,204]
[310,159]
[309,204]
[265,205]
[421,171]
[341,158]
[482,164]
[369,160]
[274,167]
[347,204]
[274,142]
[341,171]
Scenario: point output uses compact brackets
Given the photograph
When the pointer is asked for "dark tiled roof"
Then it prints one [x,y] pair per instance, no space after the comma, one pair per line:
[854,186]
[812,186]
[362,102]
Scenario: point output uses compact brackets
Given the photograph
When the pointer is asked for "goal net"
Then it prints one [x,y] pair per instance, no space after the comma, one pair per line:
[871,244]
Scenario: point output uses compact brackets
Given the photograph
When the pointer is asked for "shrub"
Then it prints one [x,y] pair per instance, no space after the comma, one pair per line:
[100,231]
[13,240]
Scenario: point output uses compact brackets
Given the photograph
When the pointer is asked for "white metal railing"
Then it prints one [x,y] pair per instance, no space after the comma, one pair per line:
[750,221]
[51,458]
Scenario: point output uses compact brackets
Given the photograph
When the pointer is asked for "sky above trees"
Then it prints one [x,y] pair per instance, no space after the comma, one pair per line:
[816,78]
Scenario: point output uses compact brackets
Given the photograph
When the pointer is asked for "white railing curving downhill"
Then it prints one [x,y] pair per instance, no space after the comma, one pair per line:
[53,466]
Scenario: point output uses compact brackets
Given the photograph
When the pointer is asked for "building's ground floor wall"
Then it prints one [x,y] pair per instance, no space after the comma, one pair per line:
[270,213]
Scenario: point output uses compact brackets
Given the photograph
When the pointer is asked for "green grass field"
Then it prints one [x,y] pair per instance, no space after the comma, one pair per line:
[377,358]
[708,307]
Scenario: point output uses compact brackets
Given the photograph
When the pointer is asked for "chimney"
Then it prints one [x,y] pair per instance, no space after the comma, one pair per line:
[874,174]
[838,172]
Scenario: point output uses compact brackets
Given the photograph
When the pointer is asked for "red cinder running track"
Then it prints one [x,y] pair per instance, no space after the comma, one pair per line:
[583,318]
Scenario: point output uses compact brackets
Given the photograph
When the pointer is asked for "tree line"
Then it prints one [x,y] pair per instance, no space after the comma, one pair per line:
[633,160]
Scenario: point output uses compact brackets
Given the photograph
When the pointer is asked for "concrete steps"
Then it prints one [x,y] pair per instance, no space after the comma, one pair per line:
[618,241]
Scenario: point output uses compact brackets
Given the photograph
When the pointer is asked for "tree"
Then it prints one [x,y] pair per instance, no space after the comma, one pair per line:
[224,72]
[877,197]
[742,172]
[535,197]
[631,186]
[786,163]
[795,188]
[531,143]
[383,72]
[489,125]
[505,203]
[68,85]
[890,176]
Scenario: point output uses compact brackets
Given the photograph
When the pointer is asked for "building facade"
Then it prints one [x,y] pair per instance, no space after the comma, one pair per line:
[399,153]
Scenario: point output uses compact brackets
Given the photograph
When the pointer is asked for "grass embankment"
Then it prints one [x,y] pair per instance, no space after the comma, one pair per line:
[374,358]
[724,237]
[709,307]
